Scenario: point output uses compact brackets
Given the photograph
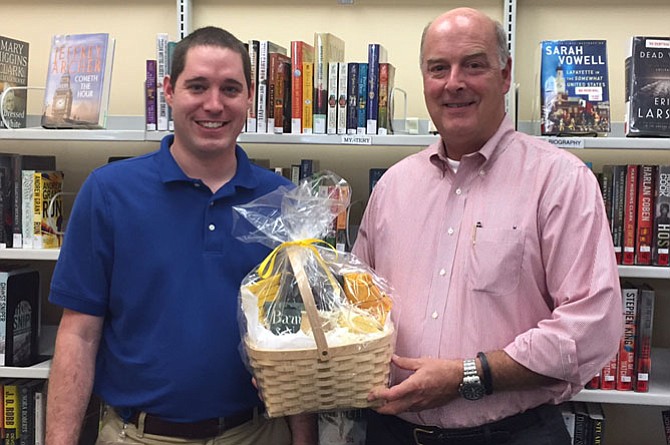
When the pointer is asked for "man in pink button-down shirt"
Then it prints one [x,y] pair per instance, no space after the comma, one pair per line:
[499,250]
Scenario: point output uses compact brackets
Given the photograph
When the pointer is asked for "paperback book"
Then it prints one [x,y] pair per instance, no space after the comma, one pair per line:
[14,56]
[78,81]
[574,88]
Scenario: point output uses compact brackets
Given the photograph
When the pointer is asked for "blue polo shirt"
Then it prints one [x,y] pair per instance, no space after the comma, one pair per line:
[151,250]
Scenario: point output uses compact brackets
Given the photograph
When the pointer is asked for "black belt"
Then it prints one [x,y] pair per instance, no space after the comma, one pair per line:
[203,429]
[498,432]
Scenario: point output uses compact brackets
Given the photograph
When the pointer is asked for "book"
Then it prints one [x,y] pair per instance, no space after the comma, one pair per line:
[252,48]
[265,47]
[342,84]
[307,97]
[582,434]
[327,48]
[47,209]
[27,388]
[596,423]
[647,85]
[40,415]
[280,65]
[352,97]
[14,58]
[568,413]
[376,54]
[608,375]
[386,83]
[626,365]
[78,81]
[19,315]
[630,214]
[308,167]
[375,174]
[162,119]
[331,118]
[661,244]
[171,45]
[361,119]
[20,163]
[644,325]
[618,208]
[300,52]
[645,214]
[12,412]
[574,87]
[150,85]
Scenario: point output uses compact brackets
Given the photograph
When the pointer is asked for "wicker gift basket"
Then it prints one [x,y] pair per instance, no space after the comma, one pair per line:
[315,323]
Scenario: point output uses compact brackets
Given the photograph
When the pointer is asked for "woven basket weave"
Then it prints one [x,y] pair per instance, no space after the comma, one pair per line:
[295,381]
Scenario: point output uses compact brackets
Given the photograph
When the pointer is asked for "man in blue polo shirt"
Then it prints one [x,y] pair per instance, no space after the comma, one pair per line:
[149,273]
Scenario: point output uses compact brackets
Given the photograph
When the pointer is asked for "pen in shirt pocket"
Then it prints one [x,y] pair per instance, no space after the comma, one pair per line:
[478,225]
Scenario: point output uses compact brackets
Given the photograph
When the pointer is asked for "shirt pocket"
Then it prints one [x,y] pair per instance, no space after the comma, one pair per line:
[495,260]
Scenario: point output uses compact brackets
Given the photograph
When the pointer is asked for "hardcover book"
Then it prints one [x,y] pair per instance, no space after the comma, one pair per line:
[661,244]
[376,54]
[648,87]
[327,48]
[352,97]
[645,322]
[280,66]
[300,52]
[20,163]
[574,88]
[361,123]
[645,214]
[342,84]
[150,85]
[78,81]
[162,119]
[47,209]
[307,97]
[263,72]
[386,82]
[331,119]
[630,214]
[12,427]
[19,315]
[625,372]
[252,48]
[14,56]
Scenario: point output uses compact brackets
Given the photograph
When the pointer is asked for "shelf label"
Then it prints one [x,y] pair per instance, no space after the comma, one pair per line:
[356,139]
[566,142]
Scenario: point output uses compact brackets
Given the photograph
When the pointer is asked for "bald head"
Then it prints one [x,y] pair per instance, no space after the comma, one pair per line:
[463,17]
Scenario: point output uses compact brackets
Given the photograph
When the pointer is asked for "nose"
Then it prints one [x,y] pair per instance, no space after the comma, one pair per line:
[213,101]
[455,80]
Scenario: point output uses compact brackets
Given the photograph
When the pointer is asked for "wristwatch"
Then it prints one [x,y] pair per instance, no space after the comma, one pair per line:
[471,388]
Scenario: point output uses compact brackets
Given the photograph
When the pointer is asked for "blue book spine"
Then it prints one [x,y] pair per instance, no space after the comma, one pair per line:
[362,97]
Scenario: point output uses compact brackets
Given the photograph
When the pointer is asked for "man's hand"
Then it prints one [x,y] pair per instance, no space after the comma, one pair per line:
[434,383]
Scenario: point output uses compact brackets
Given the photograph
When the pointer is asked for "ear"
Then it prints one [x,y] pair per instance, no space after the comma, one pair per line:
[250,99]
[168,90]
[506,73]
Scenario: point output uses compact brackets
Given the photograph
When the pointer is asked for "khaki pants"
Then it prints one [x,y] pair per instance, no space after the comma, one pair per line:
[259,431]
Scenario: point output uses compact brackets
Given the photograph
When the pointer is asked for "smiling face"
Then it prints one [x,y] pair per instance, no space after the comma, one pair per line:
[209,101]
[464,82]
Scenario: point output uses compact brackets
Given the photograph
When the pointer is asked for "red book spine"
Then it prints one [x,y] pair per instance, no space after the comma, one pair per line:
[609,373]
[625,372]
[645,214]
[630,212]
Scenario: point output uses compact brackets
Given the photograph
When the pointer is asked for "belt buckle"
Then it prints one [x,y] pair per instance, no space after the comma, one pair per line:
[418,431]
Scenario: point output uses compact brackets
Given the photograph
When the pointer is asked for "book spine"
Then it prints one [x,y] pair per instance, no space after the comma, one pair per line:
[262,98]
[618,209]
[296,86]
[253,46]
[295,174]
[352,94]
[630,215]
[362,98]
[645,321]
[170,55]
[608,375]
[320,99]
[273,75]
[12,414]
[386,74]
[645,212]
[4,277]
[331,119]
[16,240]
[661,244]
[625,372]
[162,40]
[342,83]
[282,113]
[40,417]
[50,231]
[150,95]
[37,210]
[27,213]
[372,104]
[307,95]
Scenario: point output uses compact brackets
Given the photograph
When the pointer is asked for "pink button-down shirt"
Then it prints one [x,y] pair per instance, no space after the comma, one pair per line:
[511,252]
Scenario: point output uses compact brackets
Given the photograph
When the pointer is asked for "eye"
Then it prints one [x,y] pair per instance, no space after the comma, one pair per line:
[196,88]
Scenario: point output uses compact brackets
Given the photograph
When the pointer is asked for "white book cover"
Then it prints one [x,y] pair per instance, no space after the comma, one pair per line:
[162,119]
[331,119]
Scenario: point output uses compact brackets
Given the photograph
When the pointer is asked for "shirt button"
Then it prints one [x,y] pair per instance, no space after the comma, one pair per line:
[196,184]
[434,315]
[443,272]
[458,191]
[482,172]
[211,227]
[211,204]
[450,231]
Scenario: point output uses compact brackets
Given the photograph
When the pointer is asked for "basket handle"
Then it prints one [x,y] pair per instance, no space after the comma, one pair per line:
[296,257]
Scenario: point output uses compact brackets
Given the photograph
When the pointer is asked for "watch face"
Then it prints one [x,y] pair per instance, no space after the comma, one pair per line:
[472,391]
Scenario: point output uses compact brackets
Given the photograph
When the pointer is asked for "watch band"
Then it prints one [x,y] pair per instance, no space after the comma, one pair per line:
[487,380]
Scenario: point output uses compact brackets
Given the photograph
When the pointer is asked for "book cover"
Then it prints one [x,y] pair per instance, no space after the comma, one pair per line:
[20,163]
[6,198]
[574,87]
[625,371]
[608,375]
[661,245]
[331,118]
[327,48]
[618,208]
[375,174]
[14,57]
[386,82]
[253,48]
[630,215]
[376,54]
[582,434]
[277,78]
[262,102]
[307,97]
[12,412]
[645,323]
[647,85]
[40,416]
[47,209]
[352,95]
[150,83]
[19,315]
[342,84]
[162,119]
[361,122]
[78,81]
[300,52]
[596,422]
[27,388]
[171,45]
[645,214]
